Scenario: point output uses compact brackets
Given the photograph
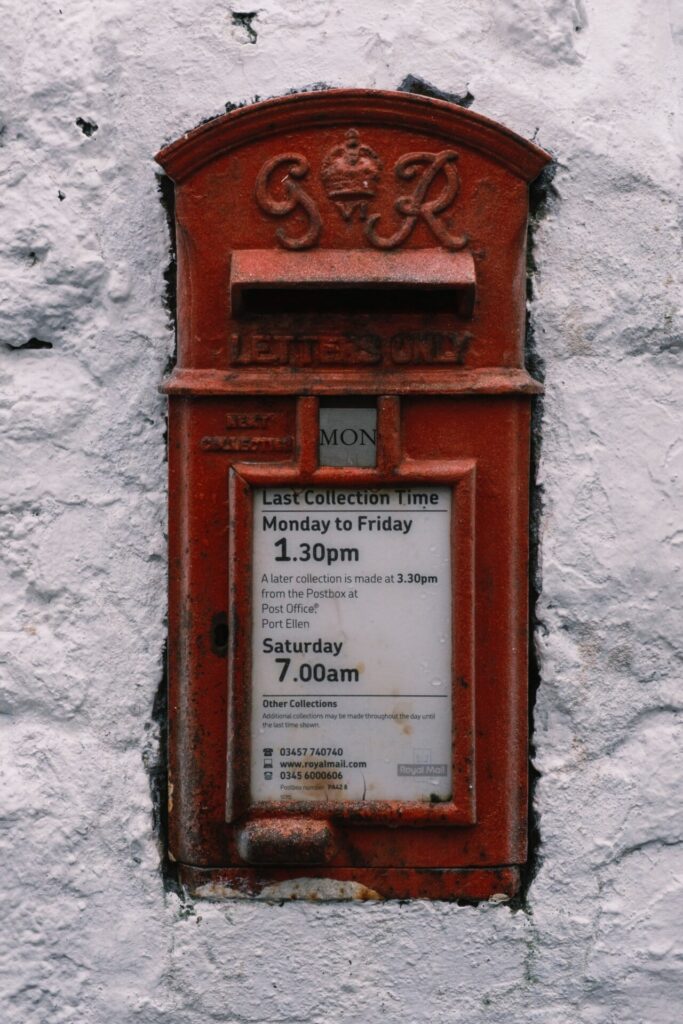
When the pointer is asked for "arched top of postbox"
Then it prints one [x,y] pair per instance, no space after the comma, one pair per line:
[339,107]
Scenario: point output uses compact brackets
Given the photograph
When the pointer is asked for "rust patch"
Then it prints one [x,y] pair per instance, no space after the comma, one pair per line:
[286,841]
[312,889]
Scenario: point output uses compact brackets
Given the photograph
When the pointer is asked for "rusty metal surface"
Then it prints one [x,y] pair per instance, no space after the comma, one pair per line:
[392,468]
[417,183]
[271,840]
[293,380]
[383,110]
[218,212]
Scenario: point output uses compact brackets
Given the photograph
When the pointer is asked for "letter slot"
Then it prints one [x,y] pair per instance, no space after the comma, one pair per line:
[428,280]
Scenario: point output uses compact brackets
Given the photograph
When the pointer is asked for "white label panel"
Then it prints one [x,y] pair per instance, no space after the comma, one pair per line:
[351,644]
[348,436]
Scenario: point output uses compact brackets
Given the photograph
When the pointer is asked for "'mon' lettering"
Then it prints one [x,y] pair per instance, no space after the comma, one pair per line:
[348,437]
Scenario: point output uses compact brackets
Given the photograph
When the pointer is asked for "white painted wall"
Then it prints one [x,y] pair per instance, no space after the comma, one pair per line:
[88,934]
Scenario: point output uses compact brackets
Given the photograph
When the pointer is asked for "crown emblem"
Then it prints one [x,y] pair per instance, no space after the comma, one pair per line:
[350,173]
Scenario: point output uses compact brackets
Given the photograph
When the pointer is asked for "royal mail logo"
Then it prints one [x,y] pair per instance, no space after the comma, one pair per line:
[350,174]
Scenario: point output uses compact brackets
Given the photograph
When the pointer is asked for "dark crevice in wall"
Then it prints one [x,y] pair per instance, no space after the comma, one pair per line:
[542,196]
[167,198]
[155,755]
[229,107]
[312,87]
[244,19]
[420,87]
[155,759]
[87,127]
[32,343]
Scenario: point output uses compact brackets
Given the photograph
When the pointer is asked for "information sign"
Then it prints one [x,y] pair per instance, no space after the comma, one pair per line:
[352,645]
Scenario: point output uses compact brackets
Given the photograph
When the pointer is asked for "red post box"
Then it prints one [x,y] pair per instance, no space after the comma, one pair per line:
[349,472]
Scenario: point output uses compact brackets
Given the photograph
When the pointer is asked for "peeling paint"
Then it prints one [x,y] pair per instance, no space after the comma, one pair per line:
[315,889]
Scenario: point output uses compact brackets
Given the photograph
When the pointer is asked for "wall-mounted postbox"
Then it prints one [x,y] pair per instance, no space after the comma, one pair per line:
[349,461]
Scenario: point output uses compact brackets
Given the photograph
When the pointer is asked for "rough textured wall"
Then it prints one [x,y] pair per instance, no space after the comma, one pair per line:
[91,89]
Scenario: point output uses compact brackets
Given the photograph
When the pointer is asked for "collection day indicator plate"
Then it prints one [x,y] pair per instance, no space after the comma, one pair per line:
[351,644]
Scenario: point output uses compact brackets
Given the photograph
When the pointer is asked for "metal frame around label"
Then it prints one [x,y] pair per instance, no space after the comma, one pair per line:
[391,469]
